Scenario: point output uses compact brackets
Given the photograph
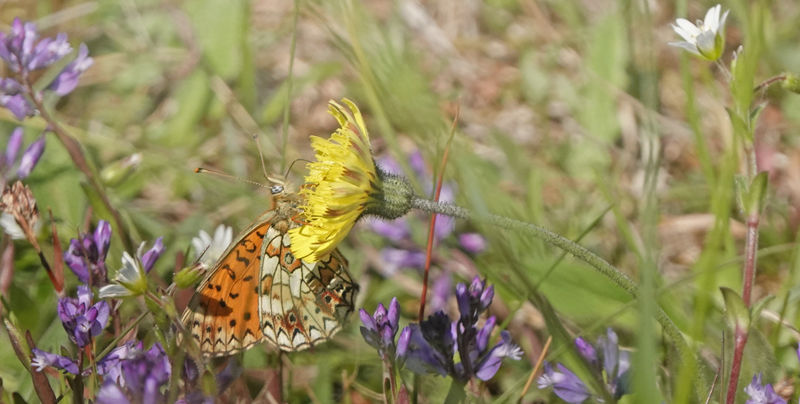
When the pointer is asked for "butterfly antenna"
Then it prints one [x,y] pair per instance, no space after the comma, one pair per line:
[292,165]
[261,154]
[201,170]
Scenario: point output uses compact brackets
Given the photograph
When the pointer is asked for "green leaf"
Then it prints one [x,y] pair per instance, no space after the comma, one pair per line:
[755,311]
[456,393]
[191,97]
[756,113]
[735,310]
[758,193]
[740,126]
[220,26]
[742,192]
[18,343]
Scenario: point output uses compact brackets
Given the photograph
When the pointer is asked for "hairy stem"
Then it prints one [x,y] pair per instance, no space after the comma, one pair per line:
[601,265]
[736,366]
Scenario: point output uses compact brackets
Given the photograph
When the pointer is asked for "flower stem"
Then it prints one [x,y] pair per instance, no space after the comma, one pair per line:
[580,252]
[736,365]
[76,154]
[121,335]
[750,251]
[770,81]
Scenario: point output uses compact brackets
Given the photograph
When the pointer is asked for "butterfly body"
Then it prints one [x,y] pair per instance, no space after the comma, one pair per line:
[258,290]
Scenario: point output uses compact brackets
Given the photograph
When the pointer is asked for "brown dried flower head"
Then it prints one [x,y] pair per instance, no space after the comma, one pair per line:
[18,201]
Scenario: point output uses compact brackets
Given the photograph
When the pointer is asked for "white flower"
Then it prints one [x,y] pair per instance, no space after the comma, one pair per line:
[130,280]
[207,249]
[704,39]
[12,228]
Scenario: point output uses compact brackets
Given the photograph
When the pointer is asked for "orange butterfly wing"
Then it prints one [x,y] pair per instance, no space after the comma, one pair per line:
[222,316]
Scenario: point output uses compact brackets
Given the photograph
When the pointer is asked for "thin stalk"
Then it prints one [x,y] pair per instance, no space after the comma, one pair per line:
[736,365]
[770,81]
[289,84]
[750,254]
[122,334]
[601,265]
[76,154]
[749,274]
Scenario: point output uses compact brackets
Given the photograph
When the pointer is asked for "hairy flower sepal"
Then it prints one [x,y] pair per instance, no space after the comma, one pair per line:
[392,198]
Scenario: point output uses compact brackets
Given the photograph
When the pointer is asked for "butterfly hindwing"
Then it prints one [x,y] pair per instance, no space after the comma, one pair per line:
[223,313]
[258,290]
[302,304]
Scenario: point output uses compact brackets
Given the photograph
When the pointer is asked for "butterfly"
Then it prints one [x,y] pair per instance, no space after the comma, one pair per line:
[258,290]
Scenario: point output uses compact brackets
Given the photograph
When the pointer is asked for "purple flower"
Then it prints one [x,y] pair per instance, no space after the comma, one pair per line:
[380,329]
[49,51]
[473,300]
[417,163]
[761,394]
[434,343]
[111,393]
[44,359]
[565,384]
[586,350]
[17,48]
[110,365]
[17,104]
[142,374]
[440,292]
[395,230]
[67,80]
[394,259]
[86,256]
[81,321]
[149,258]
[10,86]
[23,54]
[473,243]
[607,362]
[30,157]
[14,143]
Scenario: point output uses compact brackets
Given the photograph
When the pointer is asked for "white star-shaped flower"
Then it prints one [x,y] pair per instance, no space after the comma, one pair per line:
[704,39]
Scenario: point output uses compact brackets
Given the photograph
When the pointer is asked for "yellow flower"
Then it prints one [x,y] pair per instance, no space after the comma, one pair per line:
[343,185]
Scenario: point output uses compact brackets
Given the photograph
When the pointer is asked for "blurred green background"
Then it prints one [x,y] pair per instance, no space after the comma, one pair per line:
[574,115]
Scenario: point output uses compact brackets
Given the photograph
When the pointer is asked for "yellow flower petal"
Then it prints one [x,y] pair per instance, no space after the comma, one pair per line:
[338,185]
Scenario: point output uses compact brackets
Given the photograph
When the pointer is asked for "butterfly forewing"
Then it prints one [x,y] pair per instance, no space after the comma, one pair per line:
[222,315]
[302,304]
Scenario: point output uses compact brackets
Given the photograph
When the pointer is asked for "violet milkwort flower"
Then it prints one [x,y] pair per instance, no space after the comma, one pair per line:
[86,256]
[42,359]
[31,156]
[566,384]
[81,321]
[380,329]
[762,394]
[21,50]
[605,359]
[67,80]
[142,374]
[434,342]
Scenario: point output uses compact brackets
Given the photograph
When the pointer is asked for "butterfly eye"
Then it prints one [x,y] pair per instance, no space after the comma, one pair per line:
[276,189]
